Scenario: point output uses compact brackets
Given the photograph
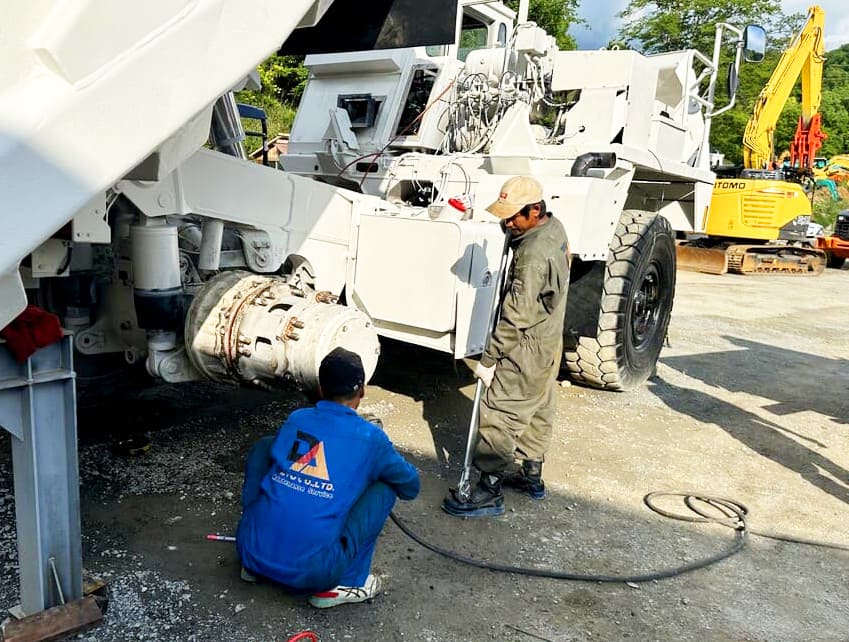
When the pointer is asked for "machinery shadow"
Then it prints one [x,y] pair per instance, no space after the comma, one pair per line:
[768,439]
[796,381]
[434,379]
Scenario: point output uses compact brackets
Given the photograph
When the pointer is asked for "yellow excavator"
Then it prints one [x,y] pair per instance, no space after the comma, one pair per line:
[758,220]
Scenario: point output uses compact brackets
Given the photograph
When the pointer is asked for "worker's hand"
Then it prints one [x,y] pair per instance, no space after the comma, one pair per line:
[485,373]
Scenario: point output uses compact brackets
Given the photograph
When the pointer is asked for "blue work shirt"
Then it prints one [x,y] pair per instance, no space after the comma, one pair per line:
[322,460]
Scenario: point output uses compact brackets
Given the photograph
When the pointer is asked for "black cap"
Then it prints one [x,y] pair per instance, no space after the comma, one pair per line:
[341,373]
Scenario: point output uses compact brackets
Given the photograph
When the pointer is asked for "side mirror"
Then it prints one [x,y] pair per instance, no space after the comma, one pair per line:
[754,43]
[733,81]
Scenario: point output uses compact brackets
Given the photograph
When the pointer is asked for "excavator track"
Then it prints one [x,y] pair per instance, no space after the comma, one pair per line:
[775,259]
[751,259]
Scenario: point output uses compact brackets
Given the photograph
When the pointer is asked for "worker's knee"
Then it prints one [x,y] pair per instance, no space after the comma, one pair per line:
[494,450]
[260,454]
[380,495]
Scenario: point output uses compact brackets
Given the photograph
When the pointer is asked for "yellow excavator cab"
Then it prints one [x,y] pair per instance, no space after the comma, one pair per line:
[755,209]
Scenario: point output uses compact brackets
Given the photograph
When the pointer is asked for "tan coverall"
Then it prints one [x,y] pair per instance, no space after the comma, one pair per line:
[517,410]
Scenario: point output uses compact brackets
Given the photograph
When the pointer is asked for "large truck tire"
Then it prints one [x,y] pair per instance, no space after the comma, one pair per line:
[636,305]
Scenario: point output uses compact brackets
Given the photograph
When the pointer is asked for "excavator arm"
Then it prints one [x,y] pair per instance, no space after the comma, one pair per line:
[804,57]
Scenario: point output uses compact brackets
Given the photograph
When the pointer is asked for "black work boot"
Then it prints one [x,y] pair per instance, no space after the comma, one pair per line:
[527,479]
[486,499]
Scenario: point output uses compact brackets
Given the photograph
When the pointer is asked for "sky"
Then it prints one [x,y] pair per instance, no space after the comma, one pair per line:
[601,16]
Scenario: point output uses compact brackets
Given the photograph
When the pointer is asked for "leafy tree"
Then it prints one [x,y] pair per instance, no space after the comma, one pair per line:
[670,25]
[835,102]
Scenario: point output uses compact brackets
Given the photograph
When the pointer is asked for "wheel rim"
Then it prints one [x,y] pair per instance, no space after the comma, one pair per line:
[646,308]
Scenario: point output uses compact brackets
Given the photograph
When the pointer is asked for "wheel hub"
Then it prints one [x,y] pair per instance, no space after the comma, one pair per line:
[646,308]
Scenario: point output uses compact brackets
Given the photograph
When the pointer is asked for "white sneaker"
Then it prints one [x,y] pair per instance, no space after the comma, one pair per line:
[247,576]
[346,594]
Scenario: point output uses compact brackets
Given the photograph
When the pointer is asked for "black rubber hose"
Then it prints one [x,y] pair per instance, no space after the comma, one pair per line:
[729,513]
[588,161]
[738,523]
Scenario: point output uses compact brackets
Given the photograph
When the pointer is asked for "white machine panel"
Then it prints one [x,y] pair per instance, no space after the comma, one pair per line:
[408,283]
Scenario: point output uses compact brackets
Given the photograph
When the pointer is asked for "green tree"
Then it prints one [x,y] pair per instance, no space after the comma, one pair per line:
[670,25]
[835,102]
[283,80]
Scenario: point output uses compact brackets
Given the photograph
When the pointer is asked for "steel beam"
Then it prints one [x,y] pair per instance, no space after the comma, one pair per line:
[38,407]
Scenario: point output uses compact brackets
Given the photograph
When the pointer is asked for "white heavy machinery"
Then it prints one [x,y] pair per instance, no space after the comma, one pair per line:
[150,245]
[115,216]
[618,139]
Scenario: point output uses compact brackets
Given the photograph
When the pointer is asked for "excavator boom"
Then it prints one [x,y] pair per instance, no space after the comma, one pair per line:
[803,58]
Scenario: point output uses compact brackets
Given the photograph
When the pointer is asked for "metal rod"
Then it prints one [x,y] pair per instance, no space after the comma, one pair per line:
[464,487]
[52,561]
[220,538]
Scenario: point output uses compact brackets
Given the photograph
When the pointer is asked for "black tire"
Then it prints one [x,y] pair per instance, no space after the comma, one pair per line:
[636,305]
[835,262]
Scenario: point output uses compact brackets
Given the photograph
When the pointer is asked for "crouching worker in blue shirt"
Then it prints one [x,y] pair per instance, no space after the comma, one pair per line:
[316,496]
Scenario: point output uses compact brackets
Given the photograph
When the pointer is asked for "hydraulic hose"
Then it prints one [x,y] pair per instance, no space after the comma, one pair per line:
[591,160]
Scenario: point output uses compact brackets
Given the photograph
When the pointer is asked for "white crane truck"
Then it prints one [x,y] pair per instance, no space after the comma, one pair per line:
[148,244]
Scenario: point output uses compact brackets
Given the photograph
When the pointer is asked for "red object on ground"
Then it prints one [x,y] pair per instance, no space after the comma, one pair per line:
[306,635]
[32,329]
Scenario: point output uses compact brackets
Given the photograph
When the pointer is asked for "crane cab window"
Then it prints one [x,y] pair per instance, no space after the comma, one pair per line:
[474,34]
[477,31]
[502,35]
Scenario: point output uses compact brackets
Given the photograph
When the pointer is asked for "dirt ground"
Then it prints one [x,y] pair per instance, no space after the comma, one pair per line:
[750,402]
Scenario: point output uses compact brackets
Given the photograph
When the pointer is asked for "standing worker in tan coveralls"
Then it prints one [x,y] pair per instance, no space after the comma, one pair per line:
[520,365]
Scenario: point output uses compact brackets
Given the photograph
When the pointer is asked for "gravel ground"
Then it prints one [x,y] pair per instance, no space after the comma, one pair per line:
[750,402]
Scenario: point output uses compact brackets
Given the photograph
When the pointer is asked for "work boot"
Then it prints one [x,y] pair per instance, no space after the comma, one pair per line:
[527,479]
[486,499]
